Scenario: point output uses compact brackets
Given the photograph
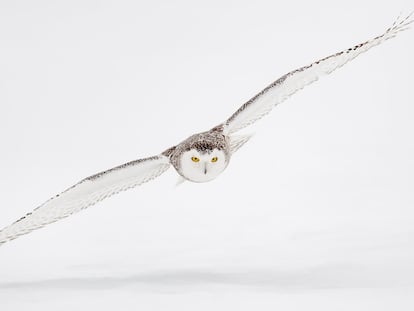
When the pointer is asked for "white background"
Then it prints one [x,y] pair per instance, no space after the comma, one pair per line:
[316,212]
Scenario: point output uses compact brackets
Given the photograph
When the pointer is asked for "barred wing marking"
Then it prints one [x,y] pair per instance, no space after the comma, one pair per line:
[88,192]
[290,83]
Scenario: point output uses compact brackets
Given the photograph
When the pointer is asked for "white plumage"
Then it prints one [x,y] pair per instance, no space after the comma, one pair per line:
[205,153]
[290,83]
[86,193]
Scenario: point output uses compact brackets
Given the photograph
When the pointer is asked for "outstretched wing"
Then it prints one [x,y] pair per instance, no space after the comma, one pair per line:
[290,83]
[86,193]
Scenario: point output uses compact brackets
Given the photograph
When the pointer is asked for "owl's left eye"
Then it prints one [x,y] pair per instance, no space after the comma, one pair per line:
[214,159]
[195,159]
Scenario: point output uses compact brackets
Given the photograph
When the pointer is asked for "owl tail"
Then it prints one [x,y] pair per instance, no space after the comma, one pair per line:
[180,180]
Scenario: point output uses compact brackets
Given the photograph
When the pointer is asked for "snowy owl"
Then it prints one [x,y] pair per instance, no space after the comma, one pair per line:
[201,157]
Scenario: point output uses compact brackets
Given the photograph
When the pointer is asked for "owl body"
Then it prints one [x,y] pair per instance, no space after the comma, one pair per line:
[202,156]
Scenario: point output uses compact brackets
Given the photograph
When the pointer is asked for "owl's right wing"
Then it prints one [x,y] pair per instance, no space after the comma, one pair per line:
[88,192]
[290,83]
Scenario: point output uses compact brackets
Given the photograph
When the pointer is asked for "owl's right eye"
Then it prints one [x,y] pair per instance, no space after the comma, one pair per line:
[195,159]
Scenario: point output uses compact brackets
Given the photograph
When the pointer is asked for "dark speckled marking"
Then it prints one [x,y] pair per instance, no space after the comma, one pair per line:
[96,176]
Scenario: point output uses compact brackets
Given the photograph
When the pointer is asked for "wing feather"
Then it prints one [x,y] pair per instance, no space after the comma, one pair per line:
[287,85]
[88,192]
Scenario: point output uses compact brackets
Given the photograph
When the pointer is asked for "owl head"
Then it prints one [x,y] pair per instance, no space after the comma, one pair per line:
[202,165]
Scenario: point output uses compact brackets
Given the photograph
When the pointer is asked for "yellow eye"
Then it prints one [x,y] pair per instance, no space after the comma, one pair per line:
[195,159]
[214,159]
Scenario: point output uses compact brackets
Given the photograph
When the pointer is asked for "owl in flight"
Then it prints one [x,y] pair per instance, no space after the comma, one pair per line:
[199,158]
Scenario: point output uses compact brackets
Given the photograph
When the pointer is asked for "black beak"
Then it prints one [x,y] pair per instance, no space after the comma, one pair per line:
[205,169]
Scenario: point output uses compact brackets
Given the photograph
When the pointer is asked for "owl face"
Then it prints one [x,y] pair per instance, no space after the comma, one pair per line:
[202,166]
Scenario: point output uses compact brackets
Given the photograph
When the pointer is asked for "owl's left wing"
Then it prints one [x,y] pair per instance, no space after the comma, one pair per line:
[88,192]
[290,83]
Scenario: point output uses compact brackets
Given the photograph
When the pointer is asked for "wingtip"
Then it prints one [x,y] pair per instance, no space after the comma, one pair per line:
[402,23]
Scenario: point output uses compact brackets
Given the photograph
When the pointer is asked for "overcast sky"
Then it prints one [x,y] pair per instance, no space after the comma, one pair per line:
[321,197]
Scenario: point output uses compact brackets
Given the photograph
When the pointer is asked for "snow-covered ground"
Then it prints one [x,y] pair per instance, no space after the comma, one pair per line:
[316,212]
